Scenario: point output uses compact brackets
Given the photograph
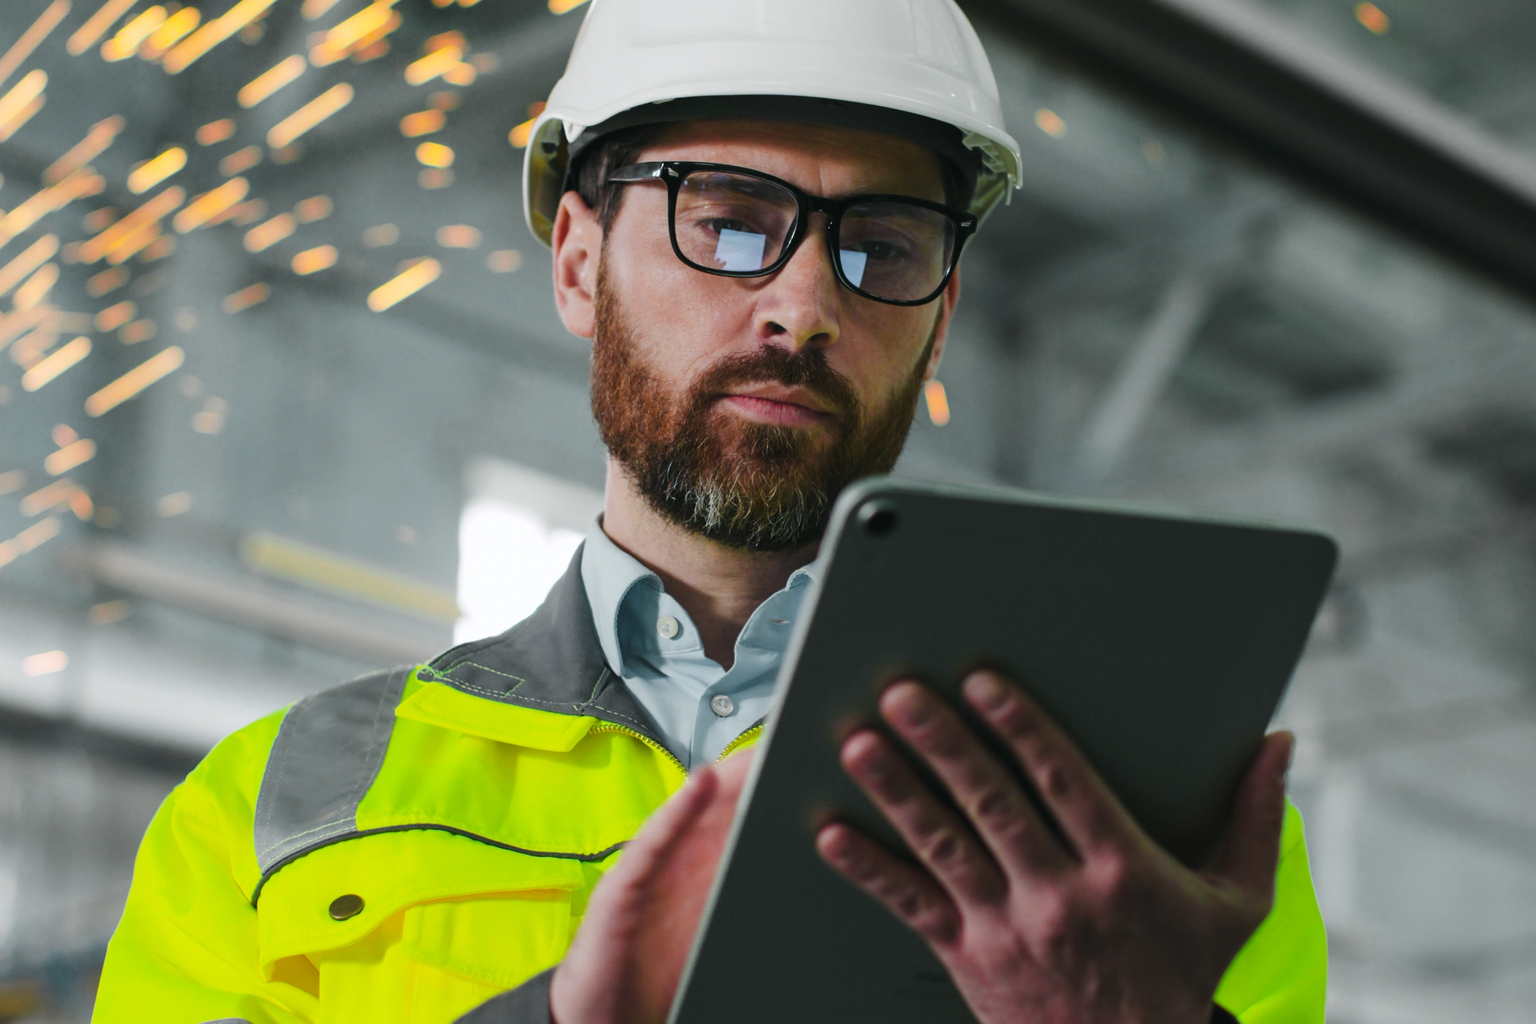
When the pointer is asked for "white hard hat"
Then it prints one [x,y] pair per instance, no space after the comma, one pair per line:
[633,59]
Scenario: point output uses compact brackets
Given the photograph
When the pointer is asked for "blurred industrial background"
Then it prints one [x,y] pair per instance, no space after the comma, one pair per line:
[283,397]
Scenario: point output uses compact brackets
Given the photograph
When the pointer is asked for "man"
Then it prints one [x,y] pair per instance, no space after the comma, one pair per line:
[760,240]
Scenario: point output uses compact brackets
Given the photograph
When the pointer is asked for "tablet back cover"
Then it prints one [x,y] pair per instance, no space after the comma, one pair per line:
[1160,643]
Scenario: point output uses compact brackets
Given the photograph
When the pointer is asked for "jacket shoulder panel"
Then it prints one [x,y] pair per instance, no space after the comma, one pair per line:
[551,661]
[325,757]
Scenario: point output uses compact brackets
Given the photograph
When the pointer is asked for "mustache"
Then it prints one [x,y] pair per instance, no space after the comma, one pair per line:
[808,369]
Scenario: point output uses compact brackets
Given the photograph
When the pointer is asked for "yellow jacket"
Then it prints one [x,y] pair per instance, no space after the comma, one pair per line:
[406,846]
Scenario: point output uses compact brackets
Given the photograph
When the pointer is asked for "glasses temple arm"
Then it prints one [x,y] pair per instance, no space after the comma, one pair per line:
[637,172]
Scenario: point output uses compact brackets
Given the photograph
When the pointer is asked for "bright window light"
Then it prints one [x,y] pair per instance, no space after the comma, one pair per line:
[517,534]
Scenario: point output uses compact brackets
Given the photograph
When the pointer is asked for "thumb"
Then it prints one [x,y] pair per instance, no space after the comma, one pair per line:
[1250,851]
[618,905]
[598,980]
[646,854]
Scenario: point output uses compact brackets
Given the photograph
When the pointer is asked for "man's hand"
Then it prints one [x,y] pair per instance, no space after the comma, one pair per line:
[627,957]
[1098,925]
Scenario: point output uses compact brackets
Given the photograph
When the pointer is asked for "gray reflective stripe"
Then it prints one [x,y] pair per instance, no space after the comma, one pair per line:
[228,1020]
[526,1004]
[551,661]
[327,752]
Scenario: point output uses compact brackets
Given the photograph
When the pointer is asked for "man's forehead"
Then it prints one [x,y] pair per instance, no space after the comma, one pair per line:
[822,159]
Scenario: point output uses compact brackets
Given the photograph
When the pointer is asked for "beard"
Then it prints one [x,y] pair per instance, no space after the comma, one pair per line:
[751,486]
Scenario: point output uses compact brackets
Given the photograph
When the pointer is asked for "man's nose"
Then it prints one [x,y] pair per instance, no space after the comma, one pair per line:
[800,304]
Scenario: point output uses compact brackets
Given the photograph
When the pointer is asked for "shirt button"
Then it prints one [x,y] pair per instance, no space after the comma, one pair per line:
[667,626]
[348,906]
[722,705]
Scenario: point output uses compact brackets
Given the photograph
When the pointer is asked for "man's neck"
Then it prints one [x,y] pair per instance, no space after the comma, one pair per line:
[719,587]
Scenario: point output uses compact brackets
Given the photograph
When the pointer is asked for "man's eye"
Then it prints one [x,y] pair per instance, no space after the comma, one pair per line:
[876,249]
[715,225]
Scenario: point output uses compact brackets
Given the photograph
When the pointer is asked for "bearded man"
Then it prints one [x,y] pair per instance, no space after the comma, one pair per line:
[762,244]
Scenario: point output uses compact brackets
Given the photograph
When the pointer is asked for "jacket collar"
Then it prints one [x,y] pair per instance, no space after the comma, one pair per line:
[551,661]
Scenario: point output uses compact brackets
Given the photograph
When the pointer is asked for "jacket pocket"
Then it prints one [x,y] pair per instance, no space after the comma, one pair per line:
[451,901]
[499,939]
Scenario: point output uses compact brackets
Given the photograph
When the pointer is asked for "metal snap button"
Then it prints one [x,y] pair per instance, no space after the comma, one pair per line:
[722,705]
[344,907]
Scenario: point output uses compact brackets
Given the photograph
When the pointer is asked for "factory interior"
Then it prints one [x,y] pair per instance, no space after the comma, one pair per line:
[284,398]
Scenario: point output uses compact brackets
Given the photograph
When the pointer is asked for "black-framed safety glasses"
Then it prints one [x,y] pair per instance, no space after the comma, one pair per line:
[737,222]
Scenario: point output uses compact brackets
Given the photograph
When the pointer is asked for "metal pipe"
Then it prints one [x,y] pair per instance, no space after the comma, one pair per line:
[1234,71]
[253,605]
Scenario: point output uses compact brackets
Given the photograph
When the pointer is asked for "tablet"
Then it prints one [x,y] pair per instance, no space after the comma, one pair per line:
[1160,642]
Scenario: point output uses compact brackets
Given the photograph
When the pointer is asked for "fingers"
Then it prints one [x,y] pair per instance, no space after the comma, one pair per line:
[990,796]
[940,840]
[908,893]
[1250,852]
[646,854]
[1089,814]
[600,975]
[733,771]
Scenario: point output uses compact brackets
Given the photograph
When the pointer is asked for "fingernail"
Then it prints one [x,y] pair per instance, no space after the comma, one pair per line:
[871,759]
[909,703]
[985,691]
[832,841]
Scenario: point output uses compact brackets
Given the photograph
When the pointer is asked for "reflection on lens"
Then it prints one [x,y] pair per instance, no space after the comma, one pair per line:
[905,248]
[732,222]
[853,265]
[740,250]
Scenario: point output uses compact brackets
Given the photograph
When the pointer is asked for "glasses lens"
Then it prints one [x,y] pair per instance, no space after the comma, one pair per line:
[732,222]
[895,250]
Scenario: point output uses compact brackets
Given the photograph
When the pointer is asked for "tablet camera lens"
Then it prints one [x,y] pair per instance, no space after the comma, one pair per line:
[878,518]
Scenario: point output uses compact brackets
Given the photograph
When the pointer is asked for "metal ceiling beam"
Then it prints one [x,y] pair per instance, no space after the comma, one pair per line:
[1237,73]
[254,606]
[29,728]
[1145,371]
[1327,429]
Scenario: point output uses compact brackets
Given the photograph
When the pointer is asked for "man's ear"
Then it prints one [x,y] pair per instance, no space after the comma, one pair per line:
[947,303]
[577,241]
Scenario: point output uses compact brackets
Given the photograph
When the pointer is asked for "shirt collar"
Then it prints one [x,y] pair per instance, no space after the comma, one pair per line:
[610,573]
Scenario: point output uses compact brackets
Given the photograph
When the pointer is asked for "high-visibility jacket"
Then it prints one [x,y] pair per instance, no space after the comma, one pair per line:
[406,846]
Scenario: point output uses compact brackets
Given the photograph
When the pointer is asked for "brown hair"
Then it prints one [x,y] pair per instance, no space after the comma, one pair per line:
[596,164]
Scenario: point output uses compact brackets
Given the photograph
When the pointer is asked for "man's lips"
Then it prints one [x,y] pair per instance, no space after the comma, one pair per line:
[778,405]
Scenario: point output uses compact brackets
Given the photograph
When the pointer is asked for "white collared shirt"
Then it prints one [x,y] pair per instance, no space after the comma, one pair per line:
[650,641]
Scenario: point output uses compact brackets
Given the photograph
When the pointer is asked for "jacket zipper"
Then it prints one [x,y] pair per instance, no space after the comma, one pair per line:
[604,727]
[738,741]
